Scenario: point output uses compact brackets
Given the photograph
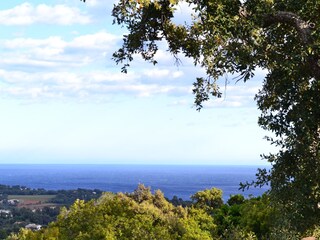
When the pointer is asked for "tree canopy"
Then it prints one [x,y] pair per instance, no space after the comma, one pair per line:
[238,37]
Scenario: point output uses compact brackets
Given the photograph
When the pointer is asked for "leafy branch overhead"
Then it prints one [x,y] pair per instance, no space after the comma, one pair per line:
[225,36]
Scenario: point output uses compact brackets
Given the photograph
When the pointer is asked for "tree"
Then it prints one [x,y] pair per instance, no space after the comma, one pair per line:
[239,37]
[257,215]
[209,199]
[235,199]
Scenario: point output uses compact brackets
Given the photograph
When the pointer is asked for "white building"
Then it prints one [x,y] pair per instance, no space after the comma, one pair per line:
[5,213]
[33,227]
[13,201]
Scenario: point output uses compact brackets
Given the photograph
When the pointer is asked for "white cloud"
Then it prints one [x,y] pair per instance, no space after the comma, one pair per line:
[234,96]
[108,77]
[177,74]
[53,52]
[93,3]
[181,102]
[53,41]
[220,102]
[96,3]
[100,41]
[183,13]
[162,73]
[54,67]
[157,73]
[88,85]
[26,14]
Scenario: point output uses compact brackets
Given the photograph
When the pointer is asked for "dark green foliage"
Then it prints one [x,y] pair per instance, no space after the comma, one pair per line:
[68,197]
[176,201]
[257,215]
[235,199]
[250,215]
[22,190]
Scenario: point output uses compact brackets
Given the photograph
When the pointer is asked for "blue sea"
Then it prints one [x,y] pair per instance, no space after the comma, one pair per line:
[181,181]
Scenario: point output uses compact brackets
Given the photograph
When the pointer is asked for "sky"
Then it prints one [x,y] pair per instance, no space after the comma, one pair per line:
[64,100]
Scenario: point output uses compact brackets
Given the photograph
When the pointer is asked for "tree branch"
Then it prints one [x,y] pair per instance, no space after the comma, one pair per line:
[304,30]
[301,26]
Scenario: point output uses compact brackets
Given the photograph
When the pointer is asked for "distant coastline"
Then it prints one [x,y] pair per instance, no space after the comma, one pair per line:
[173,180]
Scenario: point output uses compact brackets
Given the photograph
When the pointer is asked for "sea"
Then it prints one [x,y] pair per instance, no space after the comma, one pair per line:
[173,180]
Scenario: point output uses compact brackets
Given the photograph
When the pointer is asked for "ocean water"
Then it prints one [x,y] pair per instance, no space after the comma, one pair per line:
[181,181]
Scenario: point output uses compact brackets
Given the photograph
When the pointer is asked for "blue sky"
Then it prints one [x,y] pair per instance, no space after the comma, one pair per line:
[63,100]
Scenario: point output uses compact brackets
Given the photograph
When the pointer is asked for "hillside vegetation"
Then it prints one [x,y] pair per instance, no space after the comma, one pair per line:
[146,215]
